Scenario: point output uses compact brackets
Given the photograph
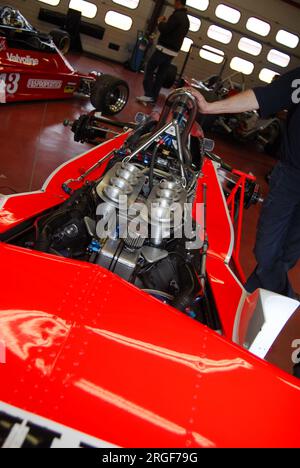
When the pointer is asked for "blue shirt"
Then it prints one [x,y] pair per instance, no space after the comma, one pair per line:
[284,94]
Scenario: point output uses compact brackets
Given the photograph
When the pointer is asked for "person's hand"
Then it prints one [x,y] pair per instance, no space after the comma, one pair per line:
[202,102]
[162,19]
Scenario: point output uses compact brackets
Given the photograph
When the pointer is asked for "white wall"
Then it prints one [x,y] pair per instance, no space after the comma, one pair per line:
[30,9]
[276,12]
[279,14]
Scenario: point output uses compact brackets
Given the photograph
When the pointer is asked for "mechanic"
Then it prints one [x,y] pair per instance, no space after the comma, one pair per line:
[173,32]
[277,247]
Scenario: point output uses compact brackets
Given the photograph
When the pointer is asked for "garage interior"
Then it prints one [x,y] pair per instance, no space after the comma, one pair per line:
[38,143]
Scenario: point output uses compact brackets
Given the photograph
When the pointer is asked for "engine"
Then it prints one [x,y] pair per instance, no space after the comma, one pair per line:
[132,223]
[146,243]
[138,219]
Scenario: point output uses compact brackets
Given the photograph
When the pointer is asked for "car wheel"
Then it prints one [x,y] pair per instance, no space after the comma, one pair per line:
[62,40]
[109,94]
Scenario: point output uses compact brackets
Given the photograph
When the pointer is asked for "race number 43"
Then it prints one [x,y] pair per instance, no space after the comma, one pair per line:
[9,84]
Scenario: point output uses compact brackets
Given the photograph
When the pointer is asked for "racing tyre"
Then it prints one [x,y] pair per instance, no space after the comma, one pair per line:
[109,95]
[170,77]
[62,40]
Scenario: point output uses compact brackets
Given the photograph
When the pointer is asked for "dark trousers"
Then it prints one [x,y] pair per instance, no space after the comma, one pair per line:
[159,64]
[277,247]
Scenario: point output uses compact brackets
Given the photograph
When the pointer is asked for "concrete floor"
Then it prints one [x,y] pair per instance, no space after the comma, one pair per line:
[34,142]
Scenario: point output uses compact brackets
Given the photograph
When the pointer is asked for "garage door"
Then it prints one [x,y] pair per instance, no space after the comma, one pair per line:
[122,19]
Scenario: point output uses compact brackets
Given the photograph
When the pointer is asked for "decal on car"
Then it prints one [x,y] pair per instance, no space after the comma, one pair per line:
[20,429]
[44,84]
[2,89]
[9,84]
[16,58]
[70,88]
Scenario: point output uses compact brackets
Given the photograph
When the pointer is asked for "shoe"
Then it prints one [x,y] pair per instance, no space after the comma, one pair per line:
[145,99]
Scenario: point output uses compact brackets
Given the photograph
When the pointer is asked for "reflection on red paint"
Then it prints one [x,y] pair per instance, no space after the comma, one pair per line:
[2,353]
[197,363]
[136,410]
[26,332]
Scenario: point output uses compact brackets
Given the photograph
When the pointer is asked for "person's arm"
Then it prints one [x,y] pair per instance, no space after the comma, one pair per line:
[270,99]
[242,102]
[169,26]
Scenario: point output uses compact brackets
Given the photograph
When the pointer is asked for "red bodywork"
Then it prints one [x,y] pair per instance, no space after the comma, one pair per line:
[88,350]
[27,75]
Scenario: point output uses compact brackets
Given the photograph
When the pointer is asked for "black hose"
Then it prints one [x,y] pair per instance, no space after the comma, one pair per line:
[219,160]
[184,299]
[144,129]
[43,242]
[47,223]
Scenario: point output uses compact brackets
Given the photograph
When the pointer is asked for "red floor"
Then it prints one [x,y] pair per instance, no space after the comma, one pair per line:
[34,142]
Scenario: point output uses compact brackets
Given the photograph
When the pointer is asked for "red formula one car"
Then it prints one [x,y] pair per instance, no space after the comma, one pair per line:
[33,68]
[123,319]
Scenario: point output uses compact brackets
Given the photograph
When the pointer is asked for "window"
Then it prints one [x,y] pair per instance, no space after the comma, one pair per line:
[51,2]
[117,20]
[88,9]
[211,54]
[201,5]
[278,58]
[195,23]
[187,43]
[258,27]
[226,13]
[288,39]
[219,34]
[267,75]
[133,4]
[240,65]
[250,47]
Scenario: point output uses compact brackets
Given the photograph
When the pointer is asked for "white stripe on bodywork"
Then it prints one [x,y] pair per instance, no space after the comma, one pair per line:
[49,179]
[232,237]
[229,256]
